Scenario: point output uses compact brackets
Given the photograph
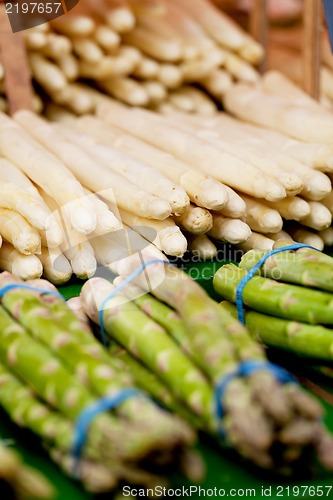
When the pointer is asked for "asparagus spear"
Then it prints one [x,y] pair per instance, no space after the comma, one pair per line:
[313,341]
[75,349]
[56,385]
[303,267]
[149,342]
[283,300]
[24,480]
[150,383]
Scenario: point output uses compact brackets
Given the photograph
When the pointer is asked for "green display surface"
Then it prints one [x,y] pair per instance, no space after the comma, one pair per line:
[225,472]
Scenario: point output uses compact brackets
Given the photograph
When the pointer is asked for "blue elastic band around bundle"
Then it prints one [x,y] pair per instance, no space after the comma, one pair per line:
[244,281]
[12,286]
[114,292]
[84,421]
[245,369]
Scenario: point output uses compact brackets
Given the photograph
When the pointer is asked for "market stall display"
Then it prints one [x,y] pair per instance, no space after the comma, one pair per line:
[150,137]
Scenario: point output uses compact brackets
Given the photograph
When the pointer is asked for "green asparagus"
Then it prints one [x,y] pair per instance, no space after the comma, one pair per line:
[277,299]
[302,267]
[88,360]
[312,341]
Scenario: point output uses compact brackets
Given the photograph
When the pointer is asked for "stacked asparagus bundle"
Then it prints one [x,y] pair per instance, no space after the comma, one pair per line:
[19,481]
[296,313]
[189,344]
[142,53]
[52,369]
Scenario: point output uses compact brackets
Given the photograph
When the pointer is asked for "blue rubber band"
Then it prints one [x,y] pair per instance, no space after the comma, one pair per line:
[12,286]
[85,419]
[244,281]
[114,292]
[245,369]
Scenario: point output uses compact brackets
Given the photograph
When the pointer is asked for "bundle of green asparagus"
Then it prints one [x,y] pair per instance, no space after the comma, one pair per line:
[189,344]
[19,481]
[289,301]
[52,369]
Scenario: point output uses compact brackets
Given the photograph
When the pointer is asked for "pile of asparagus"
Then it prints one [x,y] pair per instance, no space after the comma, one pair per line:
[190,183]
[52,368]
[19,481]
[141,52]
[179,345]
[296,314]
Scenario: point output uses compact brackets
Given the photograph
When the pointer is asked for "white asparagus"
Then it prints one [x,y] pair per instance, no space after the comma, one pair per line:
[75,304]
[156,91]
[204,105]
[278,84]
[257,155]
[182,101]
[120,17]
[46,73]
[217,83]
[290,172]
[145,177]
[303,235]
[187,147]
[315,155]
[87,50]
[257,241]
[25,267]
[74,25]
[146,69]
[82,260]
[195,220]
[127,90]
[16,198]
[281,235]
[57,46]
[107,38]
[45,169]
[56,267]
[92,174]
[215,23]
[293,208]
[261,218]
[52,224]
[229,230]
[123,246]
[107,222]
[70,67]
[202,247]
[196,70]
[319,217]
[161,48]
[35,40]
[170,75]
[16,230]
[201,189]
[328,201]
[251,104]
[327,236]
[117,66]
[240,69]
[165,234]
[75,99]
[235,208]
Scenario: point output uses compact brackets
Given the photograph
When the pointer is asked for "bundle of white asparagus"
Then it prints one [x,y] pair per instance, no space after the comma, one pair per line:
[90,192]
[176,53]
